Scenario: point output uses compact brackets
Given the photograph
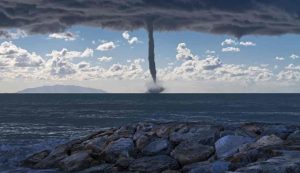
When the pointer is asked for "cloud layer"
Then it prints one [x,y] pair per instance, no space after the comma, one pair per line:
[64,65]
[235,17]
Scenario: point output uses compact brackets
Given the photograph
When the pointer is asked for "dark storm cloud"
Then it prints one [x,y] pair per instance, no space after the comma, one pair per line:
[235,17]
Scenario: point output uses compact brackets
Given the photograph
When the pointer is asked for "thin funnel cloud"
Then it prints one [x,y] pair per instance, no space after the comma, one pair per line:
[151,53]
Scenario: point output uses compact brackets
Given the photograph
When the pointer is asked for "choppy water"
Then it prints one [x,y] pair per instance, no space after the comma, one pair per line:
[33,122]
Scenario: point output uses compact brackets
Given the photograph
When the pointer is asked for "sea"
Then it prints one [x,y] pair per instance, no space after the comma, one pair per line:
[34,122]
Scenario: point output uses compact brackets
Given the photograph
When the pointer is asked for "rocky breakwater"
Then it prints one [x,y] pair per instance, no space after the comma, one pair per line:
[175,147]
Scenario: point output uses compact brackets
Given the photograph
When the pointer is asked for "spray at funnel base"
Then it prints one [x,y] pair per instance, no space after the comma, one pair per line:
[155,88]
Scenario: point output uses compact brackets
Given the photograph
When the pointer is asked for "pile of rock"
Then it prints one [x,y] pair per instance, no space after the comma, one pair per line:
[176,147]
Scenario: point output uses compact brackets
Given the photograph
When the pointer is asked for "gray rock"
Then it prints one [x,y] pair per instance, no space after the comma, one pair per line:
[262,142]
[206,167]
[137,135]
[171,171]
[281,131]
[157,147]
[228,145]
[163,131]
[220,166]
[242,159]
[142,141]
[189,152]
[102,133]
[76,162]
[153,164]
[205,135]
[295,136]
[96,145]
[252,128]
[226,132]
[103,168]
[56,155]
[32,160]
[281,164]
[123,132]
[202,169]
[123,147]
[124,162]
[242,132]
[268,140]
[145,127]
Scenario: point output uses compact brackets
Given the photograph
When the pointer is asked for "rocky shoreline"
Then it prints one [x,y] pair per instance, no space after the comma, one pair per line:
[175,147]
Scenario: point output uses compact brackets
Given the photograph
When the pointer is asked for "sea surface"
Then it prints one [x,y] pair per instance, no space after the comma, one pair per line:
[33,122]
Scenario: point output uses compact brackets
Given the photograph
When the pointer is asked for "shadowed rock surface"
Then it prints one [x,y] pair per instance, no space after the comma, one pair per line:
[178,147]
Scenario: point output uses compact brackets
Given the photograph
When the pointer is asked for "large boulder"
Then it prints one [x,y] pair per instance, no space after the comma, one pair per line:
[262,142]
[97,145]
[32,160]
[288,163]
[171,171]
[268,140]
[295,136]
[243,158]
[153,164]
[206,167]
[123,147]
[205,135]
[124,162]
[103,168]
[157,147]
[281,131]
[76,162]
[123,132]
[164,130]
[189,152]
[142,141]
[252,128]
[145,126]
[56,155]
[229,145]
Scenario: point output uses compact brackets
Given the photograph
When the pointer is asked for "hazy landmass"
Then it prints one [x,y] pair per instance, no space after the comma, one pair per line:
[61,89]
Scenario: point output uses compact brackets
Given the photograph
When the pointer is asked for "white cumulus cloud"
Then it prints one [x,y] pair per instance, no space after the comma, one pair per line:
[11,55]
[105,59]
[294,56]
[106,46]
[130,40]
[229,41]
[210,52]
[247,43]
[183,53]
[65,53]
[12,35]
[279,58]
[67,36]
[231,49]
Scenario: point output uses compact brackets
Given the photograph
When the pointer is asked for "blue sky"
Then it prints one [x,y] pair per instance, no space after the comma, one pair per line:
[265,51]
[261,53]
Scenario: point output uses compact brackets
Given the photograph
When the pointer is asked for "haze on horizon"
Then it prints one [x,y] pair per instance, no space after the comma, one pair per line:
[255,47]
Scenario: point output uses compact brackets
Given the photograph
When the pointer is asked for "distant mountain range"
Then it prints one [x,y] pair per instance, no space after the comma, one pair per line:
[61,89]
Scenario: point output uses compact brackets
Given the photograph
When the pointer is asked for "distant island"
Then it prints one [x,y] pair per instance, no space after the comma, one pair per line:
[61,89]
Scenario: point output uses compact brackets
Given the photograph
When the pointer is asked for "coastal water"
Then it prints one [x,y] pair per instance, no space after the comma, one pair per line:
[33,122]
